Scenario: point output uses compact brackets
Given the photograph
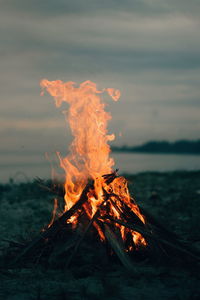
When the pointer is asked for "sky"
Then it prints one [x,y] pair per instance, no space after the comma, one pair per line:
[148,49]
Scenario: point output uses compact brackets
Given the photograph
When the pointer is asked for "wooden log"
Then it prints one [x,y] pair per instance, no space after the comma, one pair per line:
[177,247]
[155,231]
[96,215]
[169,238]
[157,225]
[92,220]
[126,213]
[53,229]
[144,232]
[58,189]
[110,177]
[118,248]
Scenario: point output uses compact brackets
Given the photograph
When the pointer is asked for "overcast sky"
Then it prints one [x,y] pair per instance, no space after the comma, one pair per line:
[149,49]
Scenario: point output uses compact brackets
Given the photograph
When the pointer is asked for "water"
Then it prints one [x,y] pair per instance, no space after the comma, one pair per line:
[137,162]
[23,168]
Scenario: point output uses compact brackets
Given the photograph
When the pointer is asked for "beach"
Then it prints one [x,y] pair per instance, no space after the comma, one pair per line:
[172,197]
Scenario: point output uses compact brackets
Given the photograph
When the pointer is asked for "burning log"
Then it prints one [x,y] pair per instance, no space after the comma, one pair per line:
[57,224]
[171,244]
[93,220]
[118,248]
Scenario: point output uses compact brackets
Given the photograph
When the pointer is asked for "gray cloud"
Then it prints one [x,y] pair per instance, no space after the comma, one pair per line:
[50,7]
[147,49]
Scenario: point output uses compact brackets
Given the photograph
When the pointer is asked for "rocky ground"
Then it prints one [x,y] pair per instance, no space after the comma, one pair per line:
[173,197]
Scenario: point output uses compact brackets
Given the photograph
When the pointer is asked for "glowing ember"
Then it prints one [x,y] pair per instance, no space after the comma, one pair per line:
[89,155]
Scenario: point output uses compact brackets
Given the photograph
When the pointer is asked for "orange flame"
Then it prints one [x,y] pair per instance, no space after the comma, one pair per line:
[89,151]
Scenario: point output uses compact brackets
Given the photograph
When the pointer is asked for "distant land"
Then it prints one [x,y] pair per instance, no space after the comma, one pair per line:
[177,147]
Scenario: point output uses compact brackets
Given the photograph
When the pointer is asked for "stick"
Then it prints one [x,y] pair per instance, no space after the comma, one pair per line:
[58,192]
[94,219]
[127,213]
[130,226]
[53,229]
[178,247]
[110,177]
[118,248]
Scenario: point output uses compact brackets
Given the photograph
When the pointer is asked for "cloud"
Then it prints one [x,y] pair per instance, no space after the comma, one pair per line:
[147,49]
[49,8]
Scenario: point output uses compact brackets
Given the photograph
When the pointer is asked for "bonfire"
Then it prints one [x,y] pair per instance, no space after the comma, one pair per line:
[96,199]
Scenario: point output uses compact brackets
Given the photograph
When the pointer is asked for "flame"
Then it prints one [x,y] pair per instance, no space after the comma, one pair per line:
[89,153]
[54,212]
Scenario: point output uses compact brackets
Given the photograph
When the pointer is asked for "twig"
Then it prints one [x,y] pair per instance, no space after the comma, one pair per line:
[151,236]
[53,229]
[118,248]
[94,218]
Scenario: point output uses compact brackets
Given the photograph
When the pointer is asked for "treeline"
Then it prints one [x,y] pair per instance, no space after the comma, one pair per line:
[181,147]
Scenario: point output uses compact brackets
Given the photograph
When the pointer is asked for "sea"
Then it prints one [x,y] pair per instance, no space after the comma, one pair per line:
[27,167]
